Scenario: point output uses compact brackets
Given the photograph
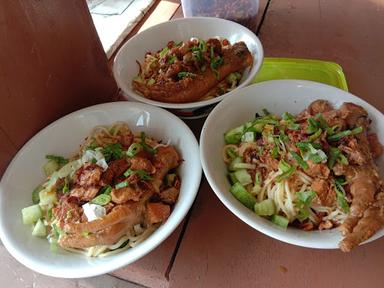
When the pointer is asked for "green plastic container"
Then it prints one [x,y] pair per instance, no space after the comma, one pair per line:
[304,69]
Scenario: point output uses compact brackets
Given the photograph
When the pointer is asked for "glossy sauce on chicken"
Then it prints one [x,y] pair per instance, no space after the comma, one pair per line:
[193,70]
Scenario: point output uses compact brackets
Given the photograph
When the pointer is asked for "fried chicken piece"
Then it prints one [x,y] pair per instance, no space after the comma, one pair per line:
[129,212]
[125,194]
[324,191]
[319,106]
[189,89]
[319,170]
[355,153]
[165,159]
[139,163]
[374,145]
[169,195]
[353,114]
[115,169]
[84,194]
[367,226]
[157,212]
[88,175]
[108,236]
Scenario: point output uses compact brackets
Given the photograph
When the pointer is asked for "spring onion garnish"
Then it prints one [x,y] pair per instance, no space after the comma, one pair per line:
[163,52]
[286,170]
[102,199]
[280,221]
[151,81]
[184,74]
[121,185]
[35,194]
[299,160]
[66,185]
[92,146]
[172,59]
[275,152]
[342,134]
[58,159]
[106,190]
[316,135]
[313,125]
[289,120]
[231,153]
[312,152]
[141,173]
[145,145]
[112,152]
[134,149]
[303,201]
[340,194]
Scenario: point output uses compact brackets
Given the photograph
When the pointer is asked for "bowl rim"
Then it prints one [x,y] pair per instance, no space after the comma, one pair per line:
[230,203]
[163,232]
[256,66]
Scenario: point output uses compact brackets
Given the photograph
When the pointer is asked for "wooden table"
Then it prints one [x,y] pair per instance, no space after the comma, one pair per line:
[212,247]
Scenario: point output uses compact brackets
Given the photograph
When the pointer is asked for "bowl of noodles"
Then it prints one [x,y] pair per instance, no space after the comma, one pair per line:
[298,161]
[98,189]
[188,65]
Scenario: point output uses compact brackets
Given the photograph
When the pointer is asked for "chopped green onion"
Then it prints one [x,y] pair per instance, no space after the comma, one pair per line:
[164,52]
[334,154]
[235,161]
[280,221]
[134,149]
[172,59]
[265,208]
[142,174]
[241,194]
[58,159]
[102,199]
[121,185]
[151,81]
[50,167]
[321,121]
[184,74]
[92,146]
[316,135]
[275,152]
[66,185]
[340,194]
[313,125]
[285,169]
[299,160]
[342,159]
[35,194]
[303,201]
[106,190]
[342,134]
[145,145]
[288,116]
[112,152]
[332,130]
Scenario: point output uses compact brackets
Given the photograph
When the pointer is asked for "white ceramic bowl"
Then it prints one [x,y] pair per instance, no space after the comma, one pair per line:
[155,38]
[277,96]
[63,138]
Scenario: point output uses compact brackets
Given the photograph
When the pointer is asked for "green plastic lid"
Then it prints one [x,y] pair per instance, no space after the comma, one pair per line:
[304,69]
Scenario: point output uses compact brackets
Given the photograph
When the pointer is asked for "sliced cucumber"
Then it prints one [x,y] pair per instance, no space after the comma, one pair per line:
[47,197]
[50,167]
[39,230]
[265,208]
[241,194]
[31,214]
[280,221]
[233,136]
[243,176]
[235,161]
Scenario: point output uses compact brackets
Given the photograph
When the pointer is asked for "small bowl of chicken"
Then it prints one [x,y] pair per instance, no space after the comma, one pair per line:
[188,65]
